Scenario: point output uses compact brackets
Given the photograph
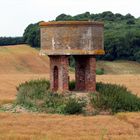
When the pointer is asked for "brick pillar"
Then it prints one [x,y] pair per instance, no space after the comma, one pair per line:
[85,73]
[59,73]
[91,74]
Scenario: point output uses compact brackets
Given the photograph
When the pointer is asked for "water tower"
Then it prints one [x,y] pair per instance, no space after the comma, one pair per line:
[81,39]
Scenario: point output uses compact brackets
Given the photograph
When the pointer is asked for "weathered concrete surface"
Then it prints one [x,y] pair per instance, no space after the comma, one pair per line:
[72,38]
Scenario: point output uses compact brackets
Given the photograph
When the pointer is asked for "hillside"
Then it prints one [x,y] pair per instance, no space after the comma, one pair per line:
[119,67]
[22,59]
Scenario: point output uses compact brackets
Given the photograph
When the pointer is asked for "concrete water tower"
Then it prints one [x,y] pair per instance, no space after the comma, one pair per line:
[81,39]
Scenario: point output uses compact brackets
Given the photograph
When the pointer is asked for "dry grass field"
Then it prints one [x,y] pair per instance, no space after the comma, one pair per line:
[119,67]
[123,126]
[22,63]
[34,126]
[22,59]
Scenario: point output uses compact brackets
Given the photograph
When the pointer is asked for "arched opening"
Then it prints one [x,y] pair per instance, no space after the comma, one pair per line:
[81,79]
[80,73]
[55,78]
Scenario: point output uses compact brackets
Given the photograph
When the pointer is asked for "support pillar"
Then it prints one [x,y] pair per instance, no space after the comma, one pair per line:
[85,73]
[59,73]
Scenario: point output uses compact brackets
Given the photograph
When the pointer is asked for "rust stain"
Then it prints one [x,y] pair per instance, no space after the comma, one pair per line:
[56,23]
[73,52]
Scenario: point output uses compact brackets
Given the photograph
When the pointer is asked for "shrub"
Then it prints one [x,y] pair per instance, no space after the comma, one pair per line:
[31,92]
[74,106]
[100,71]
[53,103]
[72,85]
[114,97]
[35,95]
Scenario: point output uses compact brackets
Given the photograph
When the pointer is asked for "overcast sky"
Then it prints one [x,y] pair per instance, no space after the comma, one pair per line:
[16,15]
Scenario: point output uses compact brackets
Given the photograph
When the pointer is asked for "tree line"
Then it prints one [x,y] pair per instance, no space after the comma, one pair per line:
[122,34]
[11,41]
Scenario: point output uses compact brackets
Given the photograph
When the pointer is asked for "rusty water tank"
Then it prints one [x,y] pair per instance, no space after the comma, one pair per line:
[72,38]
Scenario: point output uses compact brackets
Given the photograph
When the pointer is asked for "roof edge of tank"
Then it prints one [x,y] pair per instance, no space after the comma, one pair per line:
[72,52]
[68,23]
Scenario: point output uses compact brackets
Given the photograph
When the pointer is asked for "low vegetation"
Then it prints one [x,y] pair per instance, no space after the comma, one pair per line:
[114,98]
[72,85]
[36,96]
[100,71]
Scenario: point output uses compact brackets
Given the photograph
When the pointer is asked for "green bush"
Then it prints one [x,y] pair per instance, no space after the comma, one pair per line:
[53,103]
[72,85]
[74,106]
[35,95]
[100,71]
[115,98]
[31,92]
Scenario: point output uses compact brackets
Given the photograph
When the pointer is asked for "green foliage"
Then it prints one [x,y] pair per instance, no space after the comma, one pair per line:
[53,103]
[137,56]
[63,17]
[115,98]
[130,21]
[30,92]
[35,95]
[72,85]
[31,35]
[74,106]
[11,41]
[100,71]
[82,17]
[72,61]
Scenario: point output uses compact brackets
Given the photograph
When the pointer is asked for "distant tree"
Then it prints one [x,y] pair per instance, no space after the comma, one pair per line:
[11,41]
[31,35]
[137,56]
[63,17]
[85,16]
[130,21]
[128,16]
[108,16]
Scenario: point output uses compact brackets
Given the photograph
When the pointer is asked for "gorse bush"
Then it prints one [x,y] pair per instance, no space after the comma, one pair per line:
[115,98]
[35,95]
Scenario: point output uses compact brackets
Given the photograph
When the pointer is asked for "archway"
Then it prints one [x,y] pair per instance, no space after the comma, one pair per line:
[55,78]
[81,78]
